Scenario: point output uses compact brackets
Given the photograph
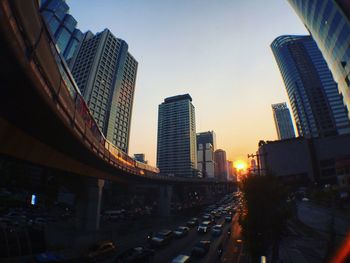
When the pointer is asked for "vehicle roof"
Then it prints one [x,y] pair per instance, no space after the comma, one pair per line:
[164,232]
[180,259]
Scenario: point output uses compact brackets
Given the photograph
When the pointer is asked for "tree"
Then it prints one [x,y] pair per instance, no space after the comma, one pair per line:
[264,216]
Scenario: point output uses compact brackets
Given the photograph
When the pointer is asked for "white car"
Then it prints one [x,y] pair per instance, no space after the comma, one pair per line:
[204,227]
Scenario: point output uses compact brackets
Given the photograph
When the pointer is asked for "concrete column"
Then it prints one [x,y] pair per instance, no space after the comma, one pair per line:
[164,203]
[88,205]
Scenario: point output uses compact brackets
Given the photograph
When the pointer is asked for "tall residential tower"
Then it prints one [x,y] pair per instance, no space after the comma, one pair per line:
[329,24]
[317,106]
[283,121]
[105,73]
[176,145]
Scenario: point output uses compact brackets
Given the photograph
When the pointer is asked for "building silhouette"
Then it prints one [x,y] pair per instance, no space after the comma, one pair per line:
[283,121]
[176,144]
[105,73]
[221,171]
[329,24]
[317,106]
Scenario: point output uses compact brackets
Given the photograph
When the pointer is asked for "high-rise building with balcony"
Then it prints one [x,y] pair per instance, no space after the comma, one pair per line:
[328,22]
[105,73]
[317,106]
[62,26]
[176,144]
[283,121]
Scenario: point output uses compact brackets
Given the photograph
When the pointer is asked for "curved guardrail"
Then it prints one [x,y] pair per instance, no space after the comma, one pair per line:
[36,50]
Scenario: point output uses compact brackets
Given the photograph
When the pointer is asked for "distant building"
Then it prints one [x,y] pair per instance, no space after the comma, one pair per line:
[329,24]
[220,165]
[176,144]
[283,121]
[140,157]
[62,26]
[317,107]
[205,160]
[230,171]
[253,167]
[321,160]
[105,73]
[206,137]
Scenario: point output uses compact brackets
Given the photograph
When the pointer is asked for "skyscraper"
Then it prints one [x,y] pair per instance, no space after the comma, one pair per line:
[221,170]
[317,106]
[205,158]
[176,145]
[62,26]
[283,121]
[329,24]
[105,73]
[207,137]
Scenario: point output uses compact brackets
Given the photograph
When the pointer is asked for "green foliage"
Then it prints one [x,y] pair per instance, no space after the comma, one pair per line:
[265,213]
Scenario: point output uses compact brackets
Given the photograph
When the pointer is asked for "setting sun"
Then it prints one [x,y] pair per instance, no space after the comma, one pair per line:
[240,165]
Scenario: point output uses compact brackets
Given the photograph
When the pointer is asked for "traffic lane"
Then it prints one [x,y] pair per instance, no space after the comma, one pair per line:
[176,247]
[234,246]
[212,255]
[184,246]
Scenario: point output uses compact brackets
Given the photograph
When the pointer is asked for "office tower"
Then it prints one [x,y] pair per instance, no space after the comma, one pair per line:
[317,106]
[140,157]
[283,121]
[220,164]
[206,137]
[230,173]
[176,145]
[62,26]
[329,24]
[205,160]
[105,73]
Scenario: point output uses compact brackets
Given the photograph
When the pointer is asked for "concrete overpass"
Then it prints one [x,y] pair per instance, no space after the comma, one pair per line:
[44,119]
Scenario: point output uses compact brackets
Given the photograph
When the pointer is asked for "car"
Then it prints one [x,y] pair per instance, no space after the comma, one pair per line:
[204,227]
[216,230]
[217,215]
[162,238]
[181,231]
[228,219]
[100,251]
[181,259]
[136,254]
[191,223]
[201,248]
[195,219]
[207,217]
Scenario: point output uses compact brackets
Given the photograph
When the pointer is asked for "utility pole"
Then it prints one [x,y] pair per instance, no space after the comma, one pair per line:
[257,155]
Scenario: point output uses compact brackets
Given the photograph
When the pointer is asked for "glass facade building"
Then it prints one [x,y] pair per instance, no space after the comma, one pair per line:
[105,73]
[176,142]
[328,22]
[206,137]
[317,106]
[62,26]
[283,121]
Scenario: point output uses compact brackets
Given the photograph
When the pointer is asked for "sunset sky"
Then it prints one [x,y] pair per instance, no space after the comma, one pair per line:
[218,51]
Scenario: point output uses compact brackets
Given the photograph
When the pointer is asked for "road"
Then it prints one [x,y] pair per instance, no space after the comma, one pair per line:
[232,249]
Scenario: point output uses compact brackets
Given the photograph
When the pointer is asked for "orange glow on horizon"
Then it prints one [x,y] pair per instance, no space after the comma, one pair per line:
[240,165]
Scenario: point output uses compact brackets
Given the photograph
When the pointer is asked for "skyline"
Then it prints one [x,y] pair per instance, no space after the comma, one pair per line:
[164,37]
